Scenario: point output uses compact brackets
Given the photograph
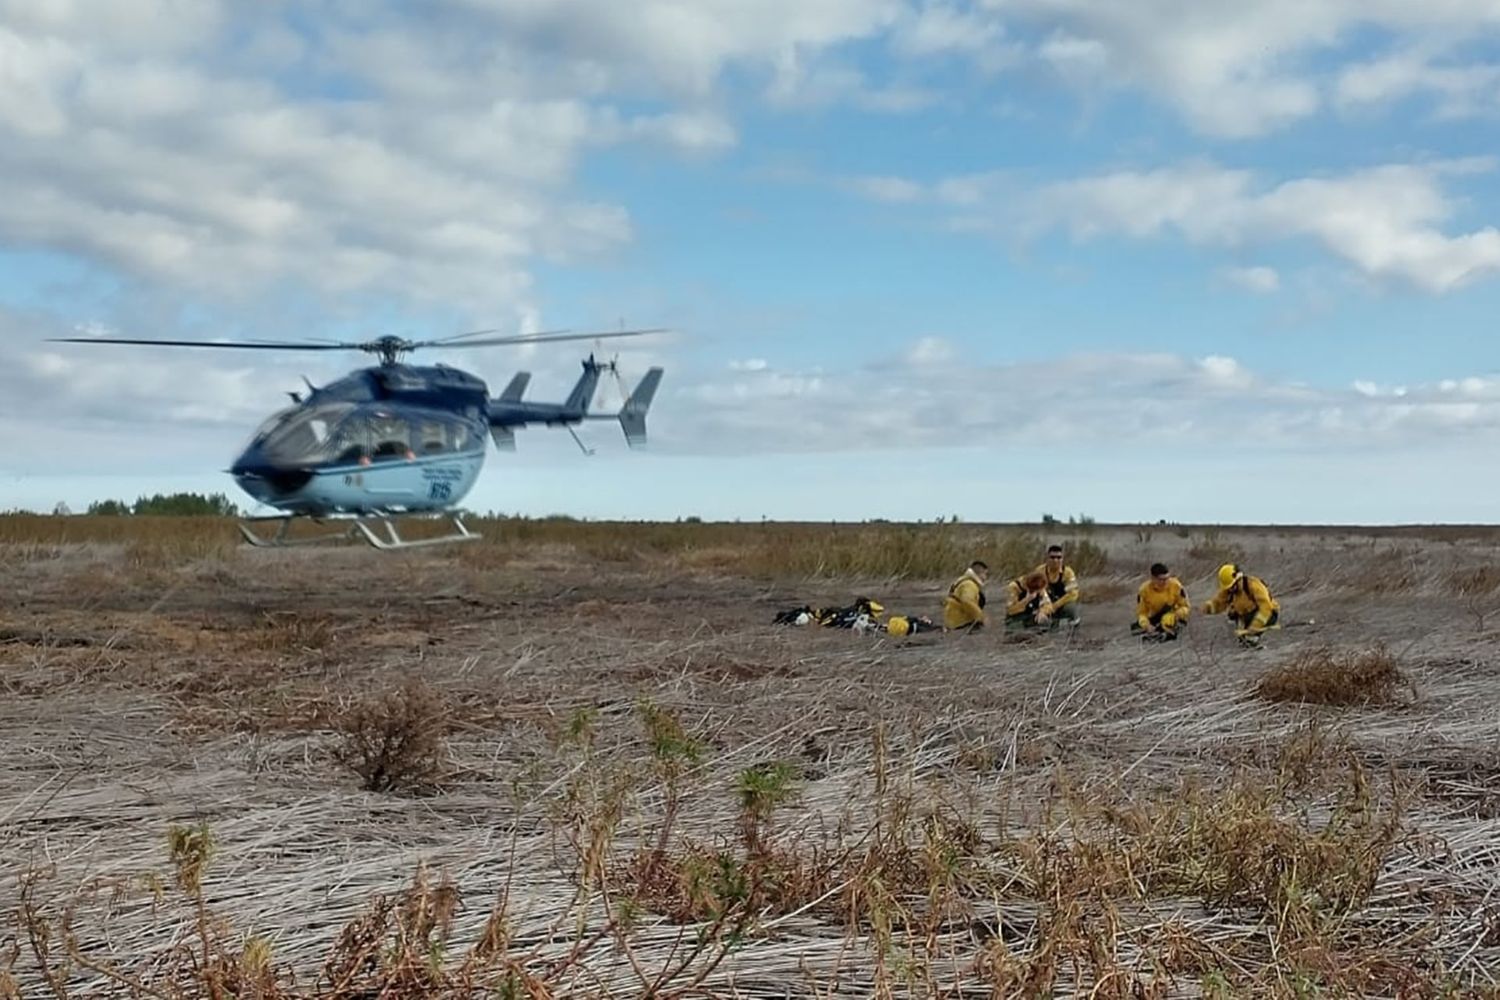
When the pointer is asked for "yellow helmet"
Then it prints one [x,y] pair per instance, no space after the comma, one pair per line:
[898,625]
[1228,573]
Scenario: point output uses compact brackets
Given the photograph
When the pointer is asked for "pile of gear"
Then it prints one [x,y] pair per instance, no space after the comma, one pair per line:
[861,616]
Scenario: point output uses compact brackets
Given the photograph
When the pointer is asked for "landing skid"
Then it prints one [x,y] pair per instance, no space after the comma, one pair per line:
[360,527]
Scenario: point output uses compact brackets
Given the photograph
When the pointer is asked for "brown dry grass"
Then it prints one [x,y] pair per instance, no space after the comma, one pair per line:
[1324,675]
[395,741]
[646,790]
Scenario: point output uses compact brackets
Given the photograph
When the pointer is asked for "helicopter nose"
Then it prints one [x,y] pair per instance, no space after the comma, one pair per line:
[278,482]
[266,481]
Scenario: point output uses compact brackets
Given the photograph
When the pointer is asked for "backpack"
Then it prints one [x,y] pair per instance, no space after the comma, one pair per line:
[794,616]
[847,617]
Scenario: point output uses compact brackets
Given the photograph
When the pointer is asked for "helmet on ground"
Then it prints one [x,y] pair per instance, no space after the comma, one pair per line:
[1228,573]
[898,625]
[1169,620]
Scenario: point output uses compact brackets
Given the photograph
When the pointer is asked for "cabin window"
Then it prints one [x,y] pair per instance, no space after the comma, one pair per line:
[391,436]
[306,434]
[433,438]
[460,436]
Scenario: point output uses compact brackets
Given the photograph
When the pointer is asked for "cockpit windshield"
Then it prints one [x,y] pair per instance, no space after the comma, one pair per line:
[305,434]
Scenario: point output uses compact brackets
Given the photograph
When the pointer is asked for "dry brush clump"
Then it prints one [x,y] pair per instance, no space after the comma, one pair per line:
[1478,590]
[1324,675]
[1211,549]
[396,740]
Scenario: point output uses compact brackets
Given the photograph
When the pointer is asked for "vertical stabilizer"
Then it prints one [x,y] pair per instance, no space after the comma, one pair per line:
[516,388]
[633,413]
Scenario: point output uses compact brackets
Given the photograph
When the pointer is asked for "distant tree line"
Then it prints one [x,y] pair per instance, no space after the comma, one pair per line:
[175,504]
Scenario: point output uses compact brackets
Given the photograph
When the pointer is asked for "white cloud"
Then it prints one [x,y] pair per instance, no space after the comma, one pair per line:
[887,189]
[936,29]
[931,351]
[1083,401]
[1225,371]
[1460,90]
[1388,222]
[224,150]
[1259,279]
[1237,69]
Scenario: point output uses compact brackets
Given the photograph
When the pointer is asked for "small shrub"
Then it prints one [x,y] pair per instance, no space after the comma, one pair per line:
[1086,557]
[396,741]
[1212,549]
[1325,676]
[760,790]
[1480,581]
[290,632]
[1014,552]
[1476,590]
[1396,571]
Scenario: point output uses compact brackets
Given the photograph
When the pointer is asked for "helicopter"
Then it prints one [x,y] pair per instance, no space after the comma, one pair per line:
[395,440]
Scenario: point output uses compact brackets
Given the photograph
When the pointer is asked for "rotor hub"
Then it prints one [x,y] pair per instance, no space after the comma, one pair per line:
[389,349]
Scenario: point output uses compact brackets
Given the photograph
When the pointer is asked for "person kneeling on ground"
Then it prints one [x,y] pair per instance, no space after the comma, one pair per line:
[1161,605]
[963,608]
[1026,602]
[1248,600]
[1062,587]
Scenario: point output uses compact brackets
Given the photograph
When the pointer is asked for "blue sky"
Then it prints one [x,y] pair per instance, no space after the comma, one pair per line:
[1197,260]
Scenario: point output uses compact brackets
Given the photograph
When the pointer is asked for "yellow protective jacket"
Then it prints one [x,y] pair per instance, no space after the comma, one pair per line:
[1246,597]
[964,604]
[1150,602]
[1062,586]
[1017,602]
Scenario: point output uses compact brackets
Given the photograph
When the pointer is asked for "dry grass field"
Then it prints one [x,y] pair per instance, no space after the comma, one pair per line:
[578,760]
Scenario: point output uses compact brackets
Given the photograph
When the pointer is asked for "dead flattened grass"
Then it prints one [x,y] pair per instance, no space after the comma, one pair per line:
[1107,590]
[1325,675]
[1072,907]
[674,865]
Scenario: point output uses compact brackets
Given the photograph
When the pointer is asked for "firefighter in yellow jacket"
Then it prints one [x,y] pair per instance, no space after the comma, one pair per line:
[1062,587]
[1026,602]
[1161,605]
[1248,600]
[963,608]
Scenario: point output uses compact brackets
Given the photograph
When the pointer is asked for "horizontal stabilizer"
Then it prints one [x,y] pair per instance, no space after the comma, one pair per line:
[504,437]
[513,392]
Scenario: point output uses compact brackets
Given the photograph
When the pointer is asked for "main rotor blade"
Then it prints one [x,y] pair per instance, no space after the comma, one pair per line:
[536,338]
[267,345]
[477,333]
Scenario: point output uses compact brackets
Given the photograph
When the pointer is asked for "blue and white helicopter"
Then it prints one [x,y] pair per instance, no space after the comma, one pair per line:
[398,440]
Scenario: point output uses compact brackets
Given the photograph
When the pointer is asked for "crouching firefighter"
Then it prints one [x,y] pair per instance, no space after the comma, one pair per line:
[1248,601]
[963,607]
[1161,606]
[1026,603]
[1062,587]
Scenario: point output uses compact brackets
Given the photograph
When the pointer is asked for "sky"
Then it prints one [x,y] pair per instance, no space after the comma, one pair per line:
[1192,260]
